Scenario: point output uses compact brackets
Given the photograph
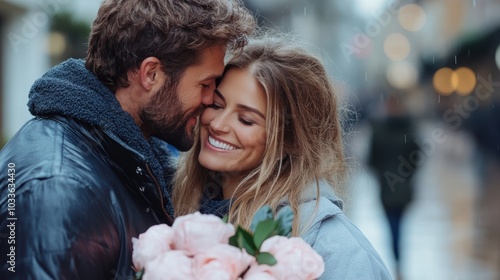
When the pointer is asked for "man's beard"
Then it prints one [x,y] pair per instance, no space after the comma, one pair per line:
[163,117]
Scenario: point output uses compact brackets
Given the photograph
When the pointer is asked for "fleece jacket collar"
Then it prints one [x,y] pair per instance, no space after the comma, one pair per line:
[70,90]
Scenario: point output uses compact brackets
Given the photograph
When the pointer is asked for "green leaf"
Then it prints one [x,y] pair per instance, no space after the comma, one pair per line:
[233,240]
[284,218]
[225,219]
[266,258]
[244,240]
[264,230]
[264,213]
[247,242]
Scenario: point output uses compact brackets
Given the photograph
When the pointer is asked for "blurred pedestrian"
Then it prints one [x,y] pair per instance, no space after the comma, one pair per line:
[392,159]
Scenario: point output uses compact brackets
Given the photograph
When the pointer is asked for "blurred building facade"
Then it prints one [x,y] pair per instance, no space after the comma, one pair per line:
[23,58]
[27,51]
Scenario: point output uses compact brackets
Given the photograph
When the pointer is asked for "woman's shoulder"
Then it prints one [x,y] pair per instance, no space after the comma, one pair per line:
[345,249]
[324,221]
[338,233]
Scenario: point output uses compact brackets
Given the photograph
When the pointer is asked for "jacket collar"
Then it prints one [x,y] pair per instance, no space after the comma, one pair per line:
[310,194]
[70,90]
[325,191]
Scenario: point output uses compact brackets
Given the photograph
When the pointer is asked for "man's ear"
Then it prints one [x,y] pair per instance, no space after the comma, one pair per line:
[151,76]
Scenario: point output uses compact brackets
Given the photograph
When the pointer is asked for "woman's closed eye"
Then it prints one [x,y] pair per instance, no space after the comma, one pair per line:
[246,121]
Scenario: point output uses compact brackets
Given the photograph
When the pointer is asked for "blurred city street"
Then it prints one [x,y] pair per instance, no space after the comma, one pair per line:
[442,225]
[439,61]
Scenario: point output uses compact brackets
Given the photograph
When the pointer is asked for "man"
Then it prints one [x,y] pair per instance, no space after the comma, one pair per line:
[92,169]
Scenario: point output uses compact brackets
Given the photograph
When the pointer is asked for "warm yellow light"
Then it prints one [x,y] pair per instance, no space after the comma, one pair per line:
[396,46]
[464,80]
[442,81]
[412,17]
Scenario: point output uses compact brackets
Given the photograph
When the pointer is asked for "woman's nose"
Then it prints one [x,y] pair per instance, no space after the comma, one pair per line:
[220,123]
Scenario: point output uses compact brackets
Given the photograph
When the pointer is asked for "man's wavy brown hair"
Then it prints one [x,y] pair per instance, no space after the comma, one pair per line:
[125,32]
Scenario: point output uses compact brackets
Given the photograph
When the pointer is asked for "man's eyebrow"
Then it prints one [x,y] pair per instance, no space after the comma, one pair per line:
[212,77]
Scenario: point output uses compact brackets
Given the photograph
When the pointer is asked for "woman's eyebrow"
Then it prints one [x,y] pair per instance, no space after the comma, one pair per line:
[241,106]
[245,107]
[216,91]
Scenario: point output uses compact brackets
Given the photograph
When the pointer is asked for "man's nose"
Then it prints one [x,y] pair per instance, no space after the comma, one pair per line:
[208,95]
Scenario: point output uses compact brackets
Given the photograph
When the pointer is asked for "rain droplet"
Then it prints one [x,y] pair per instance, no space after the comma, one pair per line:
[305,11]
[455,59]
[405,138]
[366,77]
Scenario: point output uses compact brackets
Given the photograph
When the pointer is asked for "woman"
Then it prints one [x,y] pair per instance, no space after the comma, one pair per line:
[272,137]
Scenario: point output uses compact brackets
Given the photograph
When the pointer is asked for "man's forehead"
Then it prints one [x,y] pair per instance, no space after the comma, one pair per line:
[211,54]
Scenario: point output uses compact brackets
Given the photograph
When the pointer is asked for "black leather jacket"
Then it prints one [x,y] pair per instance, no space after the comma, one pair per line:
[81,194]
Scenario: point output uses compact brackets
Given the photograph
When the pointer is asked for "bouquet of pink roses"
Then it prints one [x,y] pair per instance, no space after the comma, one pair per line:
[201,246]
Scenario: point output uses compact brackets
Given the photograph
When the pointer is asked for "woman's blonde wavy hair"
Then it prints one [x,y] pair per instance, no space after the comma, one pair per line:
[303,135]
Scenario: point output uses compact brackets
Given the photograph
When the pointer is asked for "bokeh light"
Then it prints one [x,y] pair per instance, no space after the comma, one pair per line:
[412,17]
[464,80]
[396,46]
[442,81]
[402,75]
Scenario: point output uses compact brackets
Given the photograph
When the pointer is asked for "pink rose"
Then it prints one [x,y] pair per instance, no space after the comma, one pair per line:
[150,244]
[171,265]
[220,262]
[257,274]
[296,259]
[196,232]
